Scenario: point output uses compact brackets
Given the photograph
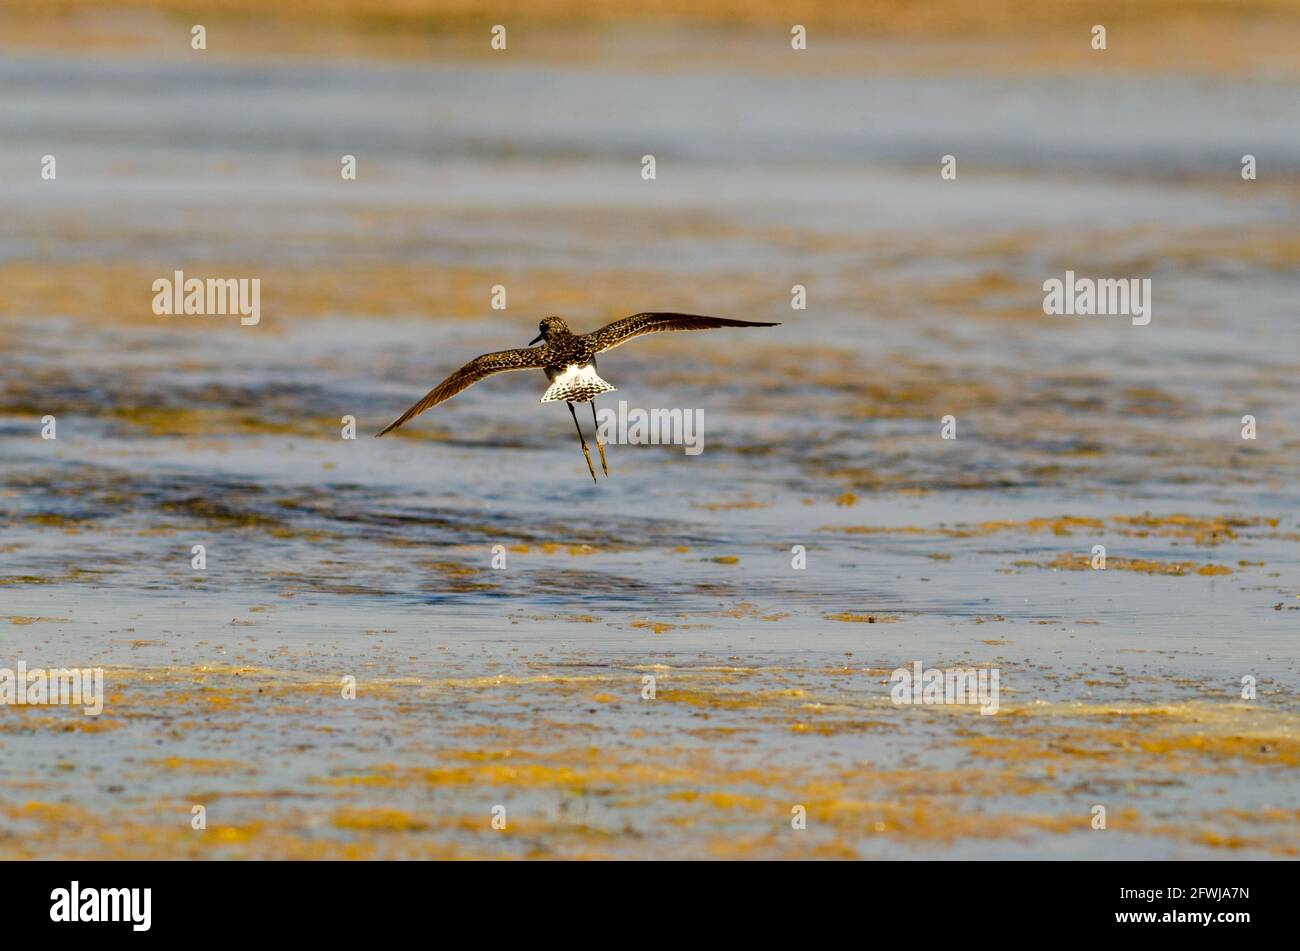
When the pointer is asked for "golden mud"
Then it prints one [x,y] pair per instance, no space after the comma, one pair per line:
[575,788]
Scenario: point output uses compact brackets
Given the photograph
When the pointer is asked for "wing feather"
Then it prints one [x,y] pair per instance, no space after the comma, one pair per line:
[477,369]
[621,331]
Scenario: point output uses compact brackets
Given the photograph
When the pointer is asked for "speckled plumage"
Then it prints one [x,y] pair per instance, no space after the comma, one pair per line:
[568,359]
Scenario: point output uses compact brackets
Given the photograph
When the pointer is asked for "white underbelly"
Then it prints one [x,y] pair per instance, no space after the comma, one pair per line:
[576,385]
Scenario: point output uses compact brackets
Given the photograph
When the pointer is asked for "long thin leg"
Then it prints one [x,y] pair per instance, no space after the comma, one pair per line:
[599,445]
[590,467]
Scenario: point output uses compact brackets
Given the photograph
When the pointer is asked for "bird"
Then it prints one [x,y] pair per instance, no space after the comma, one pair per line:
[569,361]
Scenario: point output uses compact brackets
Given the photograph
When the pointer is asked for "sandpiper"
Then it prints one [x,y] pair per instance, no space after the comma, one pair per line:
[569,361]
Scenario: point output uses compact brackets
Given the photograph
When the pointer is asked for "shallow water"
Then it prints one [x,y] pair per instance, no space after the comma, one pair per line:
[522,687]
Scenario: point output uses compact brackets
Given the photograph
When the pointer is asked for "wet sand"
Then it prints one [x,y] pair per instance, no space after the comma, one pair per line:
[476,687]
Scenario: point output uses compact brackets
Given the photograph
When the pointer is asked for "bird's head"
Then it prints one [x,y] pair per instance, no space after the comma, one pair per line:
[548,328]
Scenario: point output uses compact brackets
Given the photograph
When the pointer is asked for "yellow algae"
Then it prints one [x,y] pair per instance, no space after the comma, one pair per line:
[701,698]
[367,780]
[725,560]
[713,732]
[1215,840]
[533,775]
[576,773]
[217,766]
[552,548]
[746,610]
[1015,35]
[1144,566]
[1065,525]
[1264,815]
[825,729]
[71,720]
[192,421]
[1228,714]
[1272,749]
[222,700]
[853,617]
[235,834]
[721,800]
[449,568]
[515,680]
[478,755]
[49,519]
[385,820]
[927,819]
[1203,530]
[657,626]
[1200,736]
[569,618]
[694,776]
[49,812]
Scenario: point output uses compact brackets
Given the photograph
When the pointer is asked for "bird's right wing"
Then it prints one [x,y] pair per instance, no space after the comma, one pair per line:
[477,369]
[621,331]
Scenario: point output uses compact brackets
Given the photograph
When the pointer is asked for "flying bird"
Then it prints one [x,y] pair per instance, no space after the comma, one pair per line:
[569,361]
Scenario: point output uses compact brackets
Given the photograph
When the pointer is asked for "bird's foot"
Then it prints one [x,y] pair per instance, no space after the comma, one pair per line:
[590,467]
[600,446]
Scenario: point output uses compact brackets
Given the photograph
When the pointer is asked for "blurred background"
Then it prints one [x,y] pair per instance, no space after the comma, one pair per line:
[774,167]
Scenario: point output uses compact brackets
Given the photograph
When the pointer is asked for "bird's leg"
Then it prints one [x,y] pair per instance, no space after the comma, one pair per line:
[581,439]
[599,445]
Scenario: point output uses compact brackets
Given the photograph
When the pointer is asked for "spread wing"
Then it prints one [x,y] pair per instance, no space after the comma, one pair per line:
[621,331]
[477,369]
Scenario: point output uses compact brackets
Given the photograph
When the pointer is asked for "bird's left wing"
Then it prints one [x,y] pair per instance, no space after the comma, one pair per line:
[477,369]
[621,331]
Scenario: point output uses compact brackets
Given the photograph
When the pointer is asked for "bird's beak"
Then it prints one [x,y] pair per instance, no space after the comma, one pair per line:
[534,340]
